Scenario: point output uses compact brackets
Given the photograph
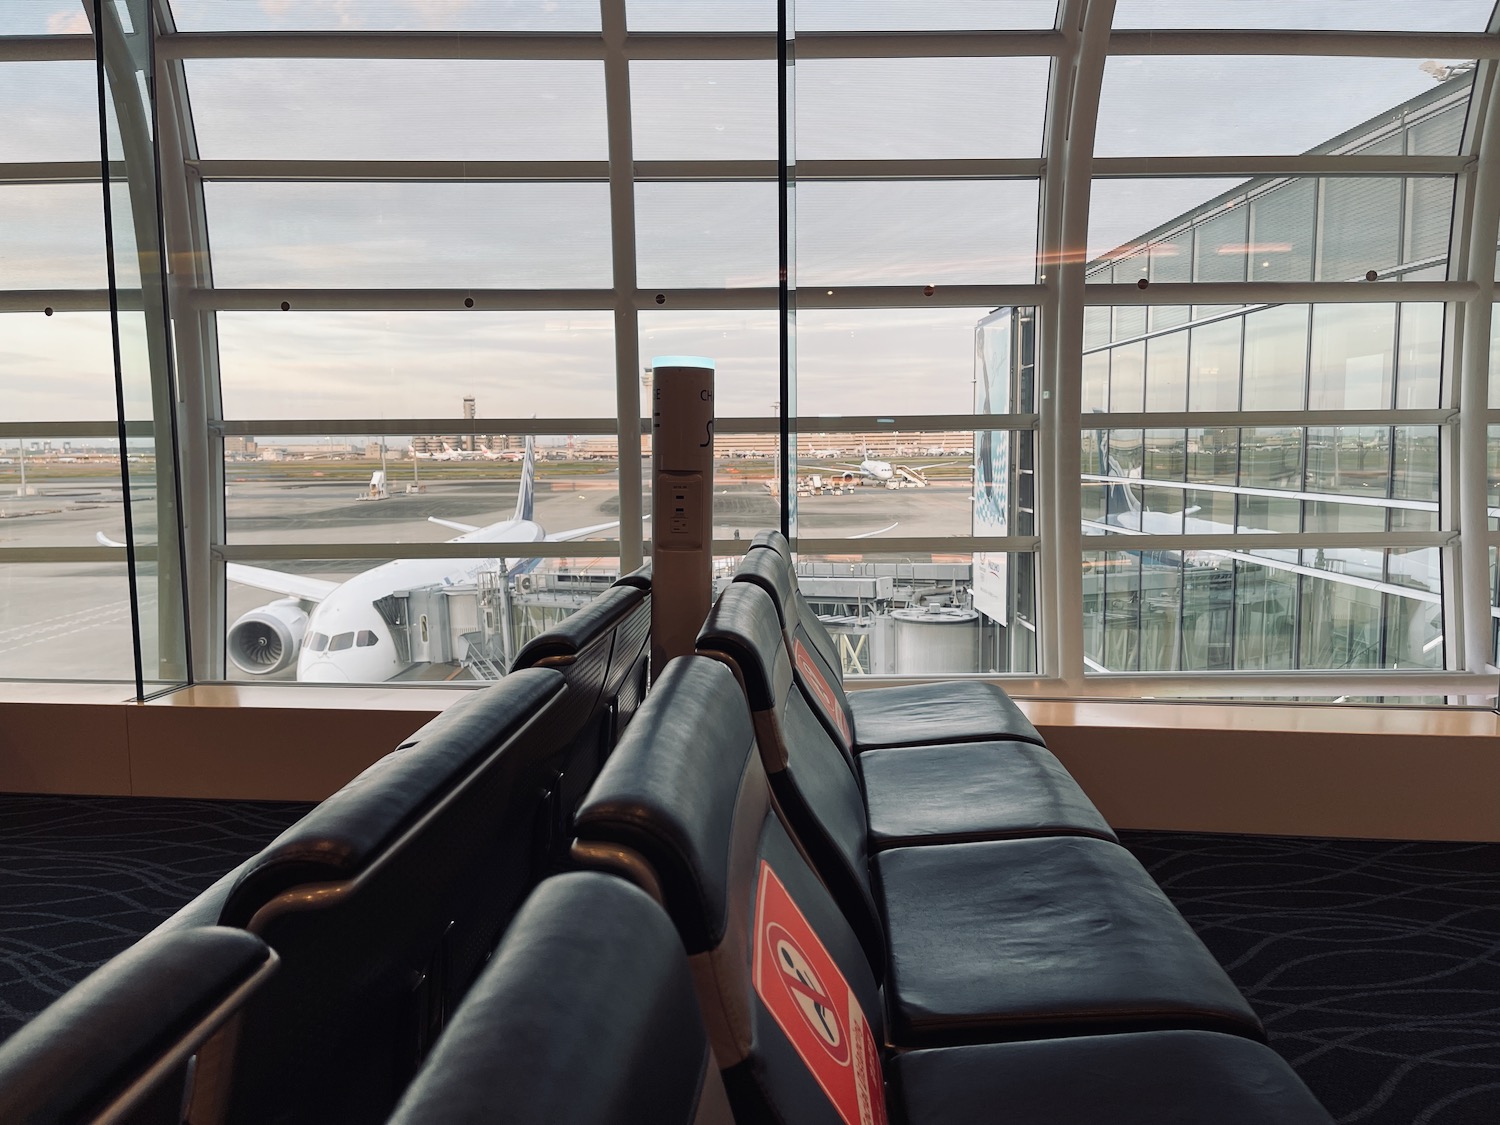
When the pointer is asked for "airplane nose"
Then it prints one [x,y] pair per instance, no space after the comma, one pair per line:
[323,674]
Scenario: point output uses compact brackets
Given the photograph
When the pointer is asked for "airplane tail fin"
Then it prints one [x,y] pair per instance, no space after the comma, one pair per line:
[526,498]
[1120,498]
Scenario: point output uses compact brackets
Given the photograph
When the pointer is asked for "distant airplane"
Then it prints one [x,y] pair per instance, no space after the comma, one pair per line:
[340,632]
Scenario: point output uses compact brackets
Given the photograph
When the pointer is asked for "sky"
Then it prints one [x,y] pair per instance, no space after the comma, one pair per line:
[689,235]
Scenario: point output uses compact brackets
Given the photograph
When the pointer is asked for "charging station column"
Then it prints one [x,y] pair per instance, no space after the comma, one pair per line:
[682,475]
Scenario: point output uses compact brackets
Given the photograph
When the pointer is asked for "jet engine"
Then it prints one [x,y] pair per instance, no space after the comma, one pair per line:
[267,640]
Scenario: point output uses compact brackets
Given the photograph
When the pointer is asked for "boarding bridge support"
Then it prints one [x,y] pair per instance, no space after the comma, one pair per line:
[682,473]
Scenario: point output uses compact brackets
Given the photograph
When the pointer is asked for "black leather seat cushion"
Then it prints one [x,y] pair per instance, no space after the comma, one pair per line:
[98,1038]
[586,1015]
[927,714]
[1155,1078]
[973,791]
[1035,939]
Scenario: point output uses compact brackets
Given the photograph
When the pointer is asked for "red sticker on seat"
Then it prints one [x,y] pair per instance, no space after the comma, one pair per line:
[812,676]
[812,1003]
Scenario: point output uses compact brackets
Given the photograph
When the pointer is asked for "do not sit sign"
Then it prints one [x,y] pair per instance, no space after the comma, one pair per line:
[813,1005]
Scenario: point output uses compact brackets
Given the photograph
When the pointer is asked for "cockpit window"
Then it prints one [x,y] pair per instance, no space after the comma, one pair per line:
[317,642]
[341,642]
[365,639]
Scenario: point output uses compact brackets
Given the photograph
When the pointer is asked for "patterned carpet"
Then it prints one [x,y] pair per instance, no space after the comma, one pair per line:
[81,878]
[1375,964]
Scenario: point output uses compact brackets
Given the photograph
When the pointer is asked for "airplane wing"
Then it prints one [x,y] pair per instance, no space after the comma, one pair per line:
[580,532]
[291,585]
[454,524]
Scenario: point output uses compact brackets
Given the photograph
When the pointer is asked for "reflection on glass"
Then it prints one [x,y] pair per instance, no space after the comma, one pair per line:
[1326,609]
[1275,358]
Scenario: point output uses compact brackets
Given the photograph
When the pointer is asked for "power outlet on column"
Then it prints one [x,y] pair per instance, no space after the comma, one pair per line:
[684,512]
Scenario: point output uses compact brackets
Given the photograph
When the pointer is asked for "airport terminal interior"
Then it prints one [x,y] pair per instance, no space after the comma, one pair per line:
[1101,460]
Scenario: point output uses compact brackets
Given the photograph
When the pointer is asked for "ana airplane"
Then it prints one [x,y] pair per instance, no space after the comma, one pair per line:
[345,632]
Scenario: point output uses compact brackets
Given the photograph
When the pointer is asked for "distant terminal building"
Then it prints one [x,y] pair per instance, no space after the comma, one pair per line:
[469,442]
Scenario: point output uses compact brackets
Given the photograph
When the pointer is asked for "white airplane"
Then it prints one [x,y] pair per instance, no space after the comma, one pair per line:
[873,470]
[339,632]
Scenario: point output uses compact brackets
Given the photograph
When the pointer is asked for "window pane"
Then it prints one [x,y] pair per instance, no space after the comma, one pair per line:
[398,109]
[723,15]
[500,236]
[1214,365]
[934,15]
[433,619]
[912,614]
[744,346]
[52,109]
[361,489]
[1306,15]
[416,364]
[386,15]
[59,366]
[1353,353]
[852,109]
[53,236]
[1188,105]
[1276,358]
[957,232]
[711,235]
[899,361]
[721,110]
[67,621]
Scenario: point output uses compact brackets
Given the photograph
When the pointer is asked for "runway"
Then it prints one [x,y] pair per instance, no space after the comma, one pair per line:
[72,620]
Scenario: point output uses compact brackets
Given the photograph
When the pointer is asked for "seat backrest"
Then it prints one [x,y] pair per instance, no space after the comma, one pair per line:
[583,648]
[115,1047]
[640,578]
[383,903]
[773,539]
[815,658]
[683,807]
[629,664]
[815,781]
[586,1015]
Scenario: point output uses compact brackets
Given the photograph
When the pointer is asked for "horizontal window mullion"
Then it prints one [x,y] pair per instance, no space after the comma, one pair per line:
[1345,44]
[1276,292]
[915,545]
[385,552]
[1136,420]
[1306,164]
[67,300]
[71,429]
[1208,685]
[58,172]
[917,169]
[46,48]
[928,44]
[1272,493]
[144,552]
[579,45]
[396,300]
[1114,538]
[876,423]
[402,171]
[376,427]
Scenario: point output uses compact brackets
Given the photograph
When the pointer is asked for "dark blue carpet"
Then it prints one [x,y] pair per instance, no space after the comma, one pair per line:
[1375,964]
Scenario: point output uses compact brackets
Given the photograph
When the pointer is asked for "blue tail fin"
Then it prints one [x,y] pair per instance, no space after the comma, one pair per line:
[526,498]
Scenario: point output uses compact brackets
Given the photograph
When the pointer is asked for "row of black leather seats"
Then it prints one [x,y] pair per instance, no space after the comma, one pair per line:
[307,984]
[587,1014]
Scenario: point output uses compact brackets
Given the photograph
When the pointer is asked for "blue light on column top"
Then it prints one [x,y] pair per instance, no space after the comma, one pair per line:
[682,361]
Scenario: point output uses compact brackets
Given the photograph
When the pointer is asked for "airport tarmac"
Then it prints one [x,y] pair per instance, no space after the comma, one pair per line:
[72,620]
